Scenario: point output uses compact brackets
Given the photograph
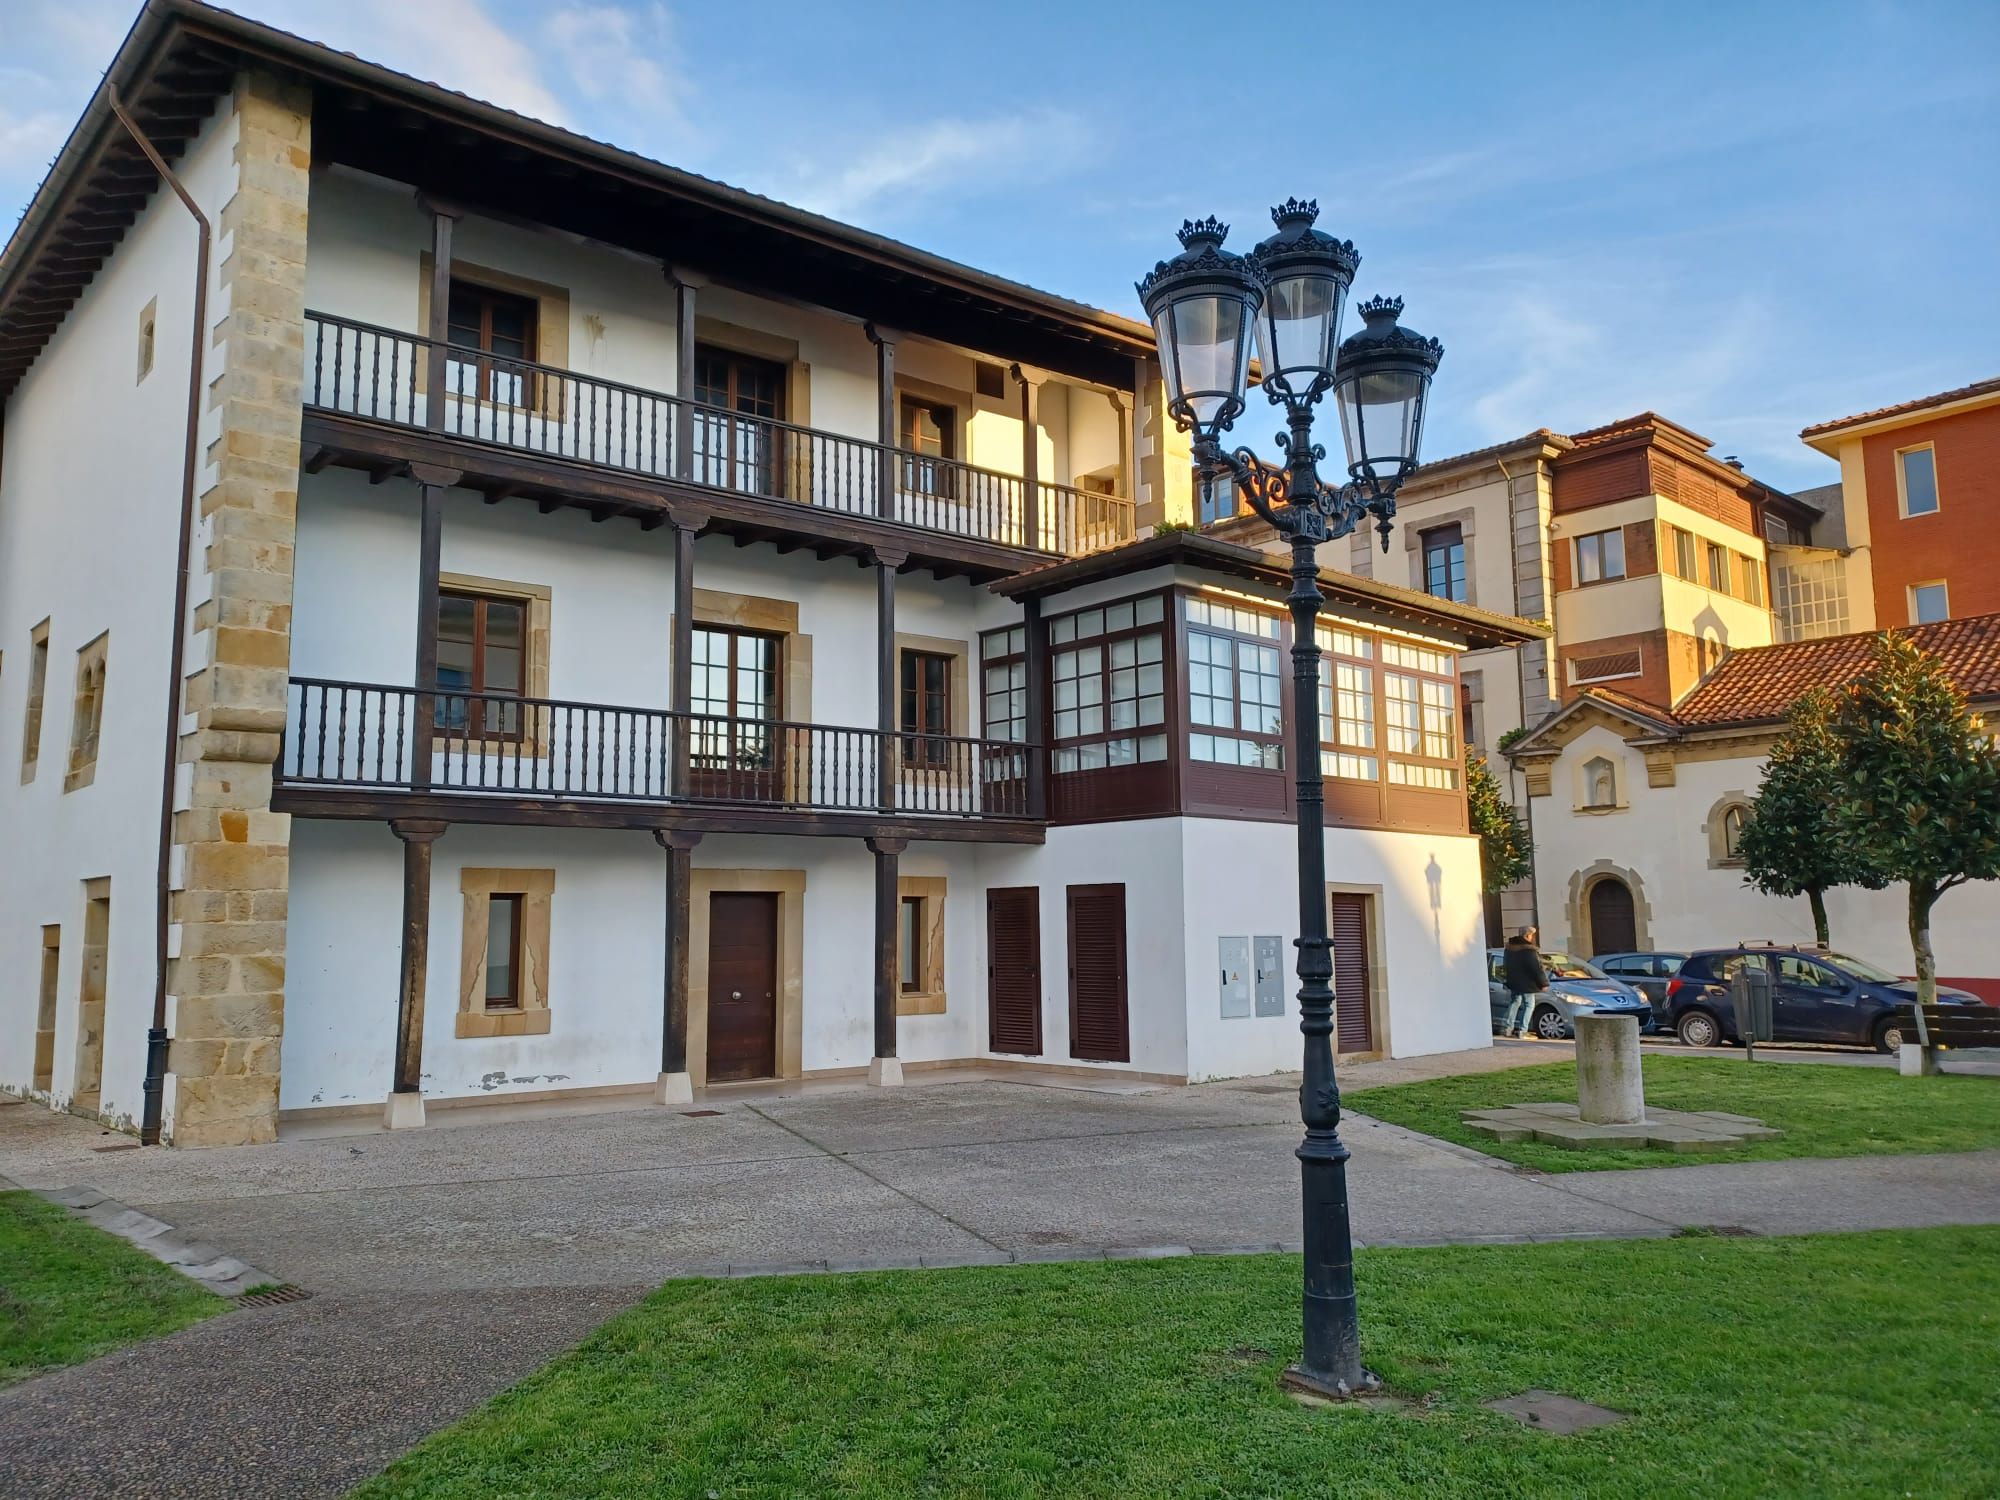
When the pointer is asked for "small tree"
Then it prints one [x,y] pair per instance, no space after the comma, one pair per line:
[1790,846]
[1505,855]
[1920,789]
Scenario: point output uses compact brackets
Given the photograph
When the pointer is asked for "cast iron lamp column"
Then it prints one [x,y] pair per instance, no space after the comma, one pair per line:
[1203,304]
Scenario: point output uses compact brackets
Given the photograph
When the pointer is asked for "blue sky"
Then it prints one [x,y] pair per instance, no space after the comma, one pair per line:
[1749,217]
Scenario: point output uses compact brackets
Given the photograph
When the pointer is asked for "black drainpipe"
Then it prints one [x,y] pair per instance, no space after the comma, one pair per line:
[156,1034]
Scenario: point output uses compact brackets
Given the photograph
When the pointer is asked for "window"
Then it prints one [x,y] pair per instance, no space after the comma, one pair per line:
[1234,714]
[1444,563]
[920,910]
[504,952]
[928,435]
[1916,480]
[38,682]
[482,642]
[1003,668]
[738,452]
[1108,678]
[1803,972]
[1733,820]
[1600,556]
[1684,564]
[1421,714]
[87,717]
[735,688]
[45,1009]
[925,710]
[1600,783]
[1718,567]
[498,324]
[148,323]
[1929,603]
[1753,581]
[1347,705]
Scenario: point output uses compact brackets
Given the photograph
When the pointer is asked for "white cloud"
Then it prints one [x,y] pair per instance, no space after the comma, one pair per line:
[28,142]
[630,58]
[945,158]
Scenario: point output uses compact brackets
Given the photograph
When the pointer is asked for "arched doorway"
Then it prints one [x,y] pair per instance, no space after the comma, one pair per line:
[1614,926]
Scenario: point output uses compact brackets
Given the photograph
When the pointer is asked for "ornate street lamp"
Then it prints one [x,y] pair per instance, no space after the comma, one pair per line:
[1202,304]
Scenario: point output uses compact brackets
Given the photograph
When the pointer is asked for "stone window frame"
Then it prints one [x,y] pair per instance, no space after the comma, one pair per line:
[958,712]
[86,722]
[37,701]
[1467,521]
[532,1017]
[1716,830]
[552,309]
[928,999]
[1584,802]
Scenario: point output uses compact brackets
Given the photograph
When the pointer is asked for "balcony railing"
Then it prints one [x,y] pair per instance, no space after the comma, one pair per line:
[363,370]
[369,735]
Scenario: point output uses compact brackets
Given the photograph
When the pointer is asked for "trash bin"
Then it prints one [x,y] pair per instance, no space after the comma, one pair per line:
[1751,990]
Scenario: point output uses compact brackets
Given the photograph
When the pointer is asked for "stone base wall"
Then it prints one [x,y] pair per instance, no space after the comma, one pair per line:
[228,981]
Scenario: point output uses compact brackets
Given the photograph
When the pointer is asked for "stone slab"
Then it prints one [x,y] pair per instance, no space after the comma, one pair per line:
[1556,1124]
[1554,1413]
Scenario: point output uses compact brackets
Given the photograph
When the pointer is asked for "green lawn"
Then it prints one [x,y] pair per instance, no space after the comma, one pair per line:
[69,1292]
[1824,1109]
[1813,1366]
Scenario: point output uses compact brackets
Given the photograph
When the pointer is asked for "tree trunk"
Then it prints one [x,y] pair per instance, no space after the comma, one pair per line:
[1922,897]
[1818,899]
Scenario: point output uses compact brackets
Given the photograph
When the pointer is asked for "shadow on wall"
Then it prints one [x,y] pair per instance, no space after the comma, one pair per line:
[1434,878]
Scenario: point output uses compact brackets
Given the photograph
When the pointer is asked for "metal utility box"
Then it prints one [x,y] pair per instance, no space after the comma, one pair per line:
[1270,976]
[1235,956]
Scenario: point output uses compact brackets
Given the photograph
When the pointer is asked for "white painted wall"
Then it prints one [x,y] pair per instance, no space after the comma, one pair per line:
[1661,836]
[89,504]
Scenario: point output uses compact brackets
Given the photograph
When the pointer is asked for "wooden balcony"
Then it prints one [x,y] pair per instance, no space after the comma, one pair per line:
[370,750]
[519,408]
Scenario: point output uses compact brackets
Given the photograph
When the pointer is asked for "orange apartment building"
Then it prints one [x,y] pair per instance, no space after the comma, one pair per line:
[1919,504]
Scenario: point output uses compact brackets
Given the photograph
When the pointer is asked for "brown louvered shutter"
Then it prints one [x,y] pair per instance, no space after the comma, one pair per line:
[1353,1016]
[1098,1027]
[1014,970]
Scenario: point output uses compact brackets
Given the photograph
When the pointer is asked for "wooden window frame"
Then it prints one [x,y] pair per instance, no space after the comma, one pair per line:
[924,746]
[1447,542]
[1237,638]
[1449,767]
[1712,554]
[1687,565]
[923,473]
[529,1015]
[516,902]
[520,730]
[1598,539]
[1080,743]
[1335,652]
[487,359]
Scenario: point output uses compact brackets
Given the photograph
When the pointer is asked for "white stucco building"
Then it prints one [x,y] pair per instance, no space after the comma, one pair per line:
[635,636]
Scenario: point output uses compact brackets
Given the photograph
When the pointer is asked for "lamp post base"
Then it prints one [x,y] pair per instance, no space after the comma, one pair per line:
[1298,1378]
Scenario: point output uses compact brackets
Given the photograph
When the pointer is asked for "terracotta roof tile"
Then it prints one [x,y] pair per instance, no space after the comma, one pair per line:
[1977,388]
[1759,683]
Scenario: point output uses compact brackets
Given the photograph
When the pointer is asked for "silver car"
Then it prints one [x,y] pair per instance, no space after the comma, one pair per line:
[1575,989]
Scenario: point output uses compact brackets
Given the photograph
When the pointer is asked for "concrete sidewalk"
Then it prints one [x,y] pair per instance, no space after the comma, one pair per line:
[448,1262]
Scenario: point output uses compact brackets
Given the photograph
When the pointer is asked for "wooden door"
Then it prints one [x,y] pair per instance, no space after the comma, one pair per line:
[742,985]
[1353,997]
[1614,927]
[1099,1025]
[1014,970]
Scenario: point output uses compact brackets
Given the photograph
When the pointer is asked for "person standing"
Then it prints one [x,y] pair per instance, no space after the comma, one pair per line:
[1521,966]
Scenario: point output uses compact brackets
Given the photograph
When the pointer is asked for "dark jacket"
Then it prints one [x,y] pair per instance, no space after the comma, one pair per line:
[1522,966]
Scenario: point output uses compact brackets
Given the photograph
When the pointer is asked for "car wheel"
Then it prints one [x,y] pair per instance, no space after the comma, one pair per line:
[1549,1025]
[1889,1037]
[1699,1029]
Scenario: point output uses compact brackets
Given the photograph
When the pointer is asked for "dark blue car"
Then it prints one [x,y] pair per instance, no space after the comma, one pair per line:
[1816,996]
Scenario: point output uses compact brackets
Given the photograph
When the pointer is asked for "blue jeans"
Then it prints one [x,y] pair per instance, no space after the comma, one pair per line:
[1520,1010]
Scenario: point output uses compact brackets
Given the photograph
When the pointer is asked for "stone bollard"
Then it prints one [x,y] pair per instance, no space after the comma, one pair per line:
[1610,1090]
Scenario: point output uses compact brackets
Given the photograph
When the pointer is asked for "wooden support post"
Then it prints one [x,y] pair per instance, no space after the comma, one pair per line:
[406,1101]
[687,525]
[1037,750]
[886,757]
[1031,464]
[886,1068]
[884,340]
[684,299]
[675,1086]
[439,329]
[430,546]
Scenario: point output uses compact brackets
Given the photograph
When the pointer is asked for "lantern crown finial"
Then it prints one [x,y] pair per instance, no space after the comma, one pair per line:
[1375,309]
[1201,233]
[1300,211]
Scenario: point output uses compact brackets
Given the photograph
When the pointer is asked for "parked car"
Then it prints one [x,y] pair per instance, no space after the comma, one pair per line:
[1816,996]
[1575,989]
[1648,973]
